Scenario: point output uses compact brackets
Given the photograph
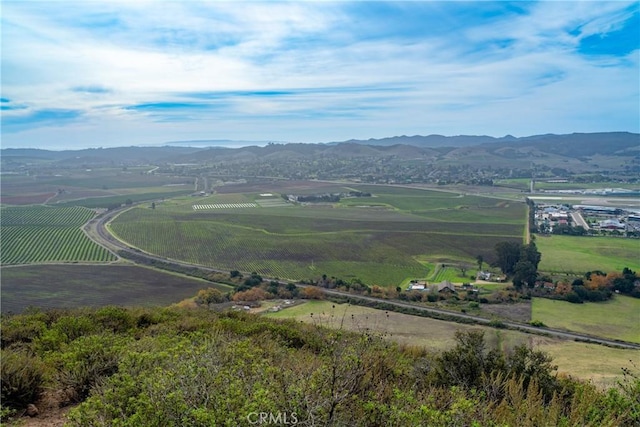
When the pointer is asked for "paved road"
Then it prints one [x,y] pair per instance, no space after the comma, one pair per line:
[577,219]
[96,229]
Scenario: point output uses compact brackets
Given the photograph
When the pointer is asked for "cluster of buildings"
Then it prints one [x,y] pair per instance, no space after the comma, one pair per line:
[443,287]
[593,219]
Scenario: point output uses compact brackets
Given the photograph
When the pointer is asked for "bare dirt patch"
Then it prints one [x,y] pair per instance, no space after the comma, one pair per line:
[50,413]
[519,312]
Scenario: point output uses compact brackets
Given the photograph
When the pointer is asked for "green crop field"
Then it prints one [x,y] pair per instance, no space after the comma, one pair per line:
[579,254]
[451,274]
[38,234]
[345,240]
[617,318]
[108,201]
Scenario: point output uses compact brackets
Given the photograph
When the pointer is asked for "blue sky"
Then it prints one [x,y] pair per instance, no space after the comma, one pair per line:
[118,73]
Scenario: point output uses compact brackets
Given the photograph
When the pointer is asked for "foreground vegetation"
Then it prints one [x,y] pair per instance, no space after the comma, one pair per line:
[172,367]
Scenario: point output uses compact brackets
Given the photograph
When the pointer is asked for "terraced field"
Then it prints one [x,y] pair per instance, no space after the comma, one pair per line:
[39,234]
[349,239]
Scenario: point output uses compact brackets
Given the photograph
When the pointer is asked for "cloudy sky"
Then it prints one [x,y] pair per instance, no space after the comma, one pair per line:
[114,73]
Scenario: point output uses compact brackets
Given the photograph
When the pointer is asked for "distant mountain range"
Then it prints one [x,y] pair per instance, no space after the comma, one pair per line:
[570,150]
[603,142]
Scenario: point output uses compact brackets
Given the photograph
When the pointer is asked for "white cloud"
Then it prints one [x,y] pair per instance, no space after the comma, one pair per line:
[518,75]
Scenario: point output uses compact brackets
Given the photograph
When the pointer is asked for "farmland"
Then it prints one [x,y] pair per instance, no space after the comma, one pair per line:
[95,187]
[39,234]
[584,361]
[57,286]
[617,318]
[577,254]
[379,240]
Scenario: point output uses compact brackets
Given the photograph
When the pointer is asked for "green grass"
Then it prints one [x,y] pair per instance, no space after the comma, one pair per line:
[492,287]
[39,234]
[618,318]
[378,246]
[597,363]
[417,331]
[574,254]
[451,274]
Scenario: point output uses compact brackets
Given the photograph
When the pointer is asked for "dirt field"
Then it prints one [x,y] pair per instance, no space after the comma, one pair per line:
[520,312]
[60,285]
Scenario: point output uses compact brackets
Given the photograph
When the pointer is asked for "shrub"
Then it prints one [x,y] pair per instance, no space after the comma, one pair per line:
[210,296]
[495,323]
[573,298]
[22,378]
[86,361]
[115,319]
[23,329]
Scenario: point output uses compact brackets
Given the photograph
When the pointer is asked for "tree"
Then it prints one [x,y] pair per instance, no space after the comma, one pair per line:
[153,205]
[529,365]
[253,294]
[525,273]
[468,362]
[210,296]
[480,260]
[312,293]
[530,253]
[508,254]
[463,268]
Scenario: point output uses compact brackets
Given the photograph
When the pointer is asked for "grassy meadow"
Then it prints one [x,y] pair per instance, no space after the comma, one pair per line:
[380,240]
[593,362]
[618,318]
[579,254]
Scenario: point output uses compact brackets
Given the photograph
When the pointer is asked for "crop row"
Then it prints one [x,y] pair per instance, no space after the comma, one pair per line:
[32,244]
[378,246]
[43,215]
[106,202]
[297,257]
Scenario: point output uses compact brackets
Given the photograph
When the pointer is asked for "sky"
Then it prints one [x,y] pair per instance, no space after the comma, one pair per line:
[120,73]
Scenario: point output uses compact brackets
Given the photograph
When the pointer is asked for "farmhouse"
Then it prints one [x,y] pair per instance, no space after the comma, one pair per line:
[446,287]
[416,285]
[483,275]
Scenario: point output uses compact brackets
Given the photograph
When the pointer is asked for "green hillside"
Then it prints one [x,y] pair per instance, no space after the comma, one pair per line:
[194,367]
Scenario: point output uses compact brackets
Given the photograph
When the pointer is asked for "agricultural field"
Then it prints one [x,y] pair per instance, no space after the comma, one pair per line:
[579,254]
[97,187]
[600,364]
[348,240]
[58,286]
[617,318]
[38,234]
[451,274]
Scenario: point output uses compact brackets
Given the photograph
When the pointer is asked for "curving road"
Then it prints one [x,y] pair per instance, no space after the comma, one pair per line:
[97,230]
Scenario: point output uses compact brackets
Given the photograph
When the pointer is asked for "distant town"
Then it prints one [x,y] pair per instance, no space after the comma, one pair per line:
[580,219]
